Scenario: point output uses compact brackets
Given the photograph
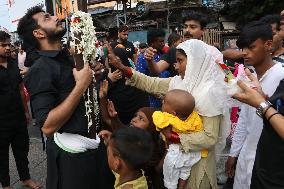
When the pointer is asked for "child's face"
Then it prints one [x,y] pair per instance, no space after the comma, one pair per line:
[140,120]
[113,159]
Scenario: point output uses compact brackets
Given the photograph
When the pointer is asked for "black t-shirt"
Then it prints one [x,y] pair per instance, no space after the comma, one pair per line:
[129,47]
[11,105]
[49,81]
[127,100]
[268,171]
[170,58]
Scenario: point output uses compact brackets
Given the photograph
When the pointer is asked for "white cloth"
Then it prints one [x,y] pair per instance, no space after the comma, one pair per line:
[249,129]
[178,164]
[74,143]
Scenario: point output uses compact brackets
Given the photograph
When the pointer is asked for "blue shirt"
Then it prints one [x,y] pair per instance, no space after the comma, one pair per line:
[142,67]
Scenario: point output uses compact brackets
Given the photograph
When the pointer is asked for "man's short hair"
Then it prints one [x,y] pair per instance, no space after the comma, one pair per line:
[143,45]
[196,16]
[272,19]
[133,145]
[153,34]
[27,25]
[253,31]
[123,28]
[173,37]
[4,36]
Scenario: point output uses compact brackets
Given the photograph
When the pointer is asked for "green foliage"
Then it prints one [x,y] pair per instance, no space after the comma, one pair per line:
[243,11]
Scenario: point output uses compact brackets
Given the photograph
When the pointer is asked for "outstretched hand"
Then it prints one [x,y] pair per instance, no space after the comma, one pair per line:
[114,76]
[149,53]
[111,109]
[113,59]
[105,134]
[251,96]
[103,89]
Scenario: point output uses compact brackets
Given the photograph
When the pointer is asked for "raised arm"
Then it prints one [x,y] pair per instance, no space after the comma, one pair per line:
[154,68]
[108,113]
[153,85]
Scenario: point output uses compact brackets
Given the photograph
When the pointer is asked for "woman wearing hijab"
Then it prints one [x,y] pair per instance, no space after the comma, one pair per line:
[199,75]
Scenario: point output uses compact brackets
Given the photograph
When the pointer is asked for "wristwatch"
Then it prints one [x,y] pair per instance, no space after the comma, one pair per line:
[262,107]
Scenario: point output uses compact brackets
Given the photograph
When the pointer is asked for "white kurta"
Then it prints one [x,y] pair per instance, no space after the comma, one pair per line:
[249,129]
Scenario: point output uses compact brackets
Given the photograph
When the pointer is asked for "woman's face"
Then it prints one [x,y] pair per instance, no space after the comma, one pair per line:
[140,120]
[181,63]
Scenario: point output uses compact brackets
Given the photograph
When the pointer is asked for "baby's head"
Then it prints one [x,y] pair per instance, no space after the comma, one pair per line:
[179,103]
[129,148]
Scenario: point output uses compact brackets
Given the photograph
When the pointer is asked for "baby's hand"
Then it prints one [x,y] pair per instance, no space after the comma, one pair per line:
[167,132]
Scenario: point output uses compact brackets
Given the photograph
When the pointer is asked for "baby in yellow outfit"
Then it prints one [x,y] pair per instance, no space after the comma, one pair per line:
[178,115]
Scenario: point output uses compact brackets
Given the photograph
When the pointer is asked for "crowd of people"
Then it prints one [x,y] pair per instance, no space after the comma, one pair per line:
[162,108]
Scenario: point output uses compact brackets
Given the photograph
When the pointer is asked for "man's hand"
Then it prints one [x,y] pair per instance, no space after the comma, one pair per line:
[113,59]
[83,77]
[103,89]
[111,110]
[149,53]
[114,76]
[230,166]
[252,97]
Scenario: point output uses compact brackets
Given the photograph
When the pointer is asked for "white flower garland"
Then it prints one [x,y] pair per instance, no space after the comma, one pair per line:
[82,25]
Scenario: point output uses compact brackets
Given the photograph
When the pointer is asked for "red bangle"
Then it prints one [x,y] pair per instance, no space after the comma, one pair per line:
[174,138]
[128,73]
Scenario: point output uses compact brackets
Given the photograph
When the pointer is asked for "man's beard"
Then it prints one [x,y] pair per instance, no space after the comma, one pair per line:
[55,35]
[5,55]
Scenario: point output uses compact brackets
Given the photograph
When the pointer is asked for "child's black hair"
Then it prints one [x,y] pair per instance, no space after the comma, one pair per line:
[133,145]
[153,34]
[252,32]
[196,16]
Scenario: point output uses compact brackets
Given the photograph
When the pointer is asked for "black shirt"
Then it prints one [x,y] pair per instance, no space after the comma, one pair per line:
[49,81]
[129,47]
[170,58]
[11,104]
[268,171]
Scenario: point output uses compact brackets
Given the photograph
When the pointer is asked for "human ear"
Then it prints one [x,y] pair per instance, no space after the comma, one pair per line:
[38,33]
[268,45]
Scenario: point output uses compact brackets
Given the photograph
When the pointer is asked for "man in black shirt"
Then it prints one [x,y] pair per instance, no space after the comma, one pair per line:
[56,89]
[123,43]
[14,114]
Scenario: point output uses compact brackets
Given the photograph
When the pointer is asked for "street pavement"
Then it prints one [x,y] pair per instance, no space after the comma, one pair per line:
[37,159]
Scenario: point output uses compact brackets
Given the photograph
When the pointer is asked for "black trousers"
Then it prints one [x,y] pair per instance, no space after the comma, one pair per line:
[87,170]
[14,133]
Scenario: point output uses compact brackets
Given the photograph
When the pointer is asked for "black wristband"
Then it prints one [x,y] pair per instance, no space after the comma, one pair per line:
[266,111]
[272,116]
